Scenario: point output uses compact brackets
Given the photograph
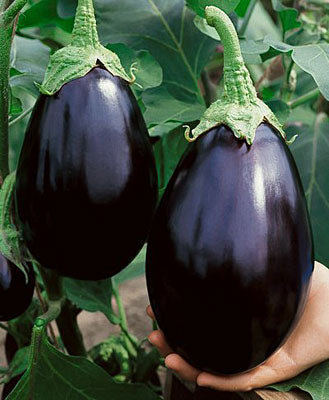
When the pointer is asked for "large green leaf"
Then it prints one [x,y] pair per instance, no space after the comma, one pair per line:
[135,268]
[288,16]
[314,381]
[198,6]
[147,70]
[91,296]
[166,29]
[30,58]
[52,375]
[168,151]
[161,107]
[311,154]
[42,13]
[312,58]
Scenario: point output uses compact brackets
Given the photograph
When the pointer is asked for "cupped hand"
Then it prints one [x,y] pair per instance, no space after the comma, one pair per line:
[307,346]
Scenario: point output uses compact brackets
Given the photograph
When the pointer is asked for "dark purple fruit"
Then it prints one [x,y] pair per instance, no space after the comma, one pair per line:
[15,293]
[230,255]
[86,181]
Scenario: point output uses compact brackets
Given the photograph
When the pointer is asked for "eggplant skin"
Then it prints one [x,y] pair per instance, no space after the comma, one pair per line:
[230,254]
[86,187]
[15,293]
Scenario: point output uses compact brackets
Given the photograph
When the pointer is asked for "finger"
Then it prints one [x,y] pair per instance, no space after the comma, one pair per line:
[149,312]
[158,340]
[257,378]
[181,367]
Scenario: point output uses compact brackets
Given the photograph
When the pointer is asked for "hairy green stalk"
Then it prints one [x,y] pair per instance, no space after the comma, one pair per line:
[84,53]
[238,107]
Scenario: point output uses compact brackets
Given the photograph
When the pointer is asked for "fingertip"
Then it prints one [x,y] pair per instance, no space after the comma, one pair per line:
[150,312]
[155,338]
[172,361]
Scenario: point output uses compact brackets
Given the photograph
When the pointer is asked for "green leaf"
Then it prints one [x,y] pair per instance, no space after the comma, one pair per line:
[30,57]
[161,107]
[288,16]
[11,241]
[313,381]
[280,109]
[312,58]
[198,6]
[135,268]
[52,375]
[242,8]
[15,105]
[91,296]
[19,363]
[168,151]
[311,154]
[148,71]
[42,13]
[166,30]
[66,8]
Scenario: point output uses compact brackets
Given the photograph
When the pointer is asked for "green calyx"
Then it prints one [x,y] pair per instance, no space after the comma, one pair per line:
[84,53]
[238,107]
[11,242]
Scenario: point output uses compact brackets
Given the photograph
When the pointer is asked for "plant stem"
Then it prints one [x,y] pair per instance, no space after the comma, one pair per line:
[238,86]
[67,319]
[304,98]
[287,89]
[246,18]
[5,47]
[85,31]
[8,12]
[12,11]
[130,343]
[70,332]
[21,116]
[54,309]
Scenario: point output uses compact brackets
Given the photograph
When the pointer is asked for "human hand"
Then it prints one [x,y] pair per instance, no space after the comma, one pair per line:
[306,346]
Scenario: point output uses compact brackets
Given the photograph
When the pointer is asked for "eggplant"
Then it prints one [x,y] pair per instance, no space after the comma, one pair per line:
[86,186]
[15,293]
[230,254]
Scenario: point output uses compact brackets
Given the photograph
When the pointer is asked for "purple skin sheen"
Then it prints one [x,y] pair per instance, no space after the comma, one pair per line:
[230,254]
[86,186]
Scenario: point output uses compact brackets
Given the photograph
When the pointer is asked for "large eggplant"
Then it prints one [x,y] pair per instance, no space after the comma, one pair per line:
[86,185]
[15,292]
[230,254]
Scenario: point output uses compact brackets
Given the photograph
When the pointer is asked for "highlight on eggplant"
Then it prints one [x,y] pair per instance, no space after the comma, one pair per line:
[86,183]
[230,254]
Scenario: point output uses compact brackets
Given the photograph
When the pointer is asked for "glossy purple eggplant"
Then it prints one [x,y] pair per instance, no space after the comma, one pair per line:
[86,181]
[230,255]
[15,293]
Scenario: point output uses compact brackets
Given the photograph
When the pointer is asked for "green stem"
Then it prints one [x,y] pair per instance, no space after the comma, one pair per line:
[54,309]
[12,11]
[85,31]
[21,116]
[304,98]
[247,17]
[238,85]
[5,47]
[66,319]
[70,332]
[287,89]
[52,282]
[130,343]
